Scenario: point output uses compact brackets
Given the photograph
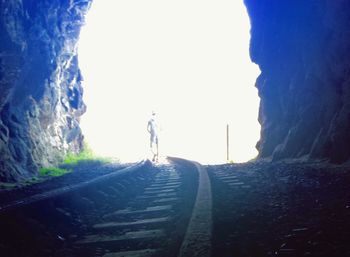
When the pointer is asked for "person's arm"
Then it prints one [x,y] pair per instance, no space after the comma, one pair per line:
[148,127]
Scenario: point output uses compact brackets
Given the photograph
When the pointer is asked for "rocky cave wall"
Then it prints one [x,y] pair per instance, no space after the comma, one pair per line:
[40,84]
[303,50]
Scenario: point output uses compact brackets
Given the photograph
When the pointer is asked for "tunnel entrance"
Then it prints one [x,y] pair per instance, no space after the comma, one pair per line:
[187,61]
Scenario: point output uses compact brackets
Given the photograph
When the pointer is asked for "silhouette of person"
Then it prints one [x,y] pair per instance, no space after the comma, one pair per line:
[152,128]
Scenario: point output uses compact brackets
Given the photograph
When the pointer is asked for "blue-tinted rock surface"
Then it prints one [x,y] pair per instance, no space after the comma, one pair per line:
[303,50]
[40,84]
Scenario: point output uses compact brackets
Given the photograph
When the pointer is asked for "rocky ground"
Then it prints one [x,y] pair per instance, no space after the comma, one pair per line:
[260,208]
[81,172]
[281,209]
[142,212]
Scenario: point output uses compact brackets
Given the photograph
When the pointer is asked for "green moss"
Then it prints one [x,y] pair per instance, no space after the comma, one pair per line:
[86,155]
[55,172]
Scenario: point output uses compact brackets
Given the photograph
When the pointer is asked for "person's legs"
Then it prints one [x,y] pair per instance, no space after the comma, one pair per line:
[154,147]
[157,149]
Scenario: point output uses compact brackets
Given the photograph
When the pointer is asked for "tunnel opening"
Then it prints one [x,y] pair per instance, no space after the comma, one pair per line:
[187,61]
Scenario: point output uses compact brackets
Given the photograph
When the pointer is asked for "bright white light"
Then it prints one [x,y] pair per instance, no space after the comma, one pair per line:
[187,60]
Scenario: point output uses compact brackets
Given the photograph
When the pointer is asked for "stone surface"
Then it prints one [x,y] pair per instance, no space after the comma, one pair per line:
[40,84]
[301,47]
[284,209]
[303,51]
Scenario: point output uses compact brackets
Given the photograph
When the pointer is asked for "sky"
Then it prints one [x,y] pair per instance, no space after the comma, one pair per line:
[186,60]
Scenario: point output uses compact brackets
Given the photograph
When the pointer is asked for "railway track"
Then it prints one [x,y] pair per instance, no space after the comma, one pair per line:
[142,210]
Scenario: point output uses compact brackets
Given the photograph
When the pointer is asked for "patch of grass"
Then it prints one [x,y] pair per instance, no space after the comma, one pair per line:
[54,172]
[86,155]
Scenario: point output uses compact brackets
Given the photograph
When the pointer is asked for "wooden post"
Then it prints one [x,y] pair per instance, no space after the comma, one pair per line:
[227,143]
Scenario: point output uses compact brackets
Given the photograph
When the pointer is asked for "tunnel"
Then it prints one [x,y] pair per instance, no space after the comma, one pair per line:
[301,48]
[292,199]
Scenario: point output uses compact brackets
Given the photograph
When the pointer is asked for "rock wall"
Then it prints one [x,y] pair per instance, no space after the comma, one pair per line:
[303,50]
[40,84]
